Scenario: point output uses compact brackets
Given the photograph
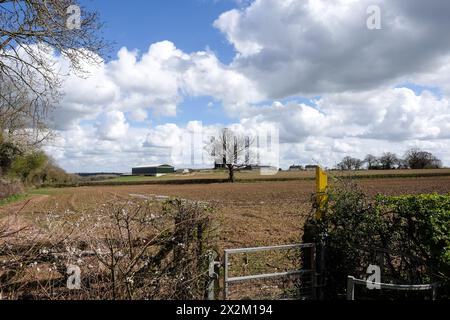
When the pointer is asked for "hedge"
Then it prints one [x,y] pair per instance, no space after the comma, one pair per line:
[411,233]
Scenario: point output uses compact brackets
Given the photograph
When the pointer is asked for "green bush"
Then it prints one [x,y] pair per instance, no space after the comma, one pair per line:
[52,175]
[8,153]
[32,167]
[407,236]
[24,167]
[425,219]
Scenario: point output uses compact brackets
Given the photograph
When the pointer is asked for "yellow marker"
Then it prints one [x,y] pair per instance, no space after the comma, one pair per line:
[321,189]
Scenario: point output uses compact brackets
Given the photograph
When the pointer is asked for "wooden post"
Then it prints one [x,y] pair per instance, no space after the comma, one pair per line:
[321,198]
[321,189]
[350,288]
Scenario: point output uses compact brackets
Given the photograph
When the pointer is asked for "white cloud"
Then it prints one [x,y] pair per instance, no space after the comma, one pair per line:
[138,115]
[112,126]
[438,78]
[284,49]
[164,136]
[319,46]
[156,81]
[206,76]
[395,114]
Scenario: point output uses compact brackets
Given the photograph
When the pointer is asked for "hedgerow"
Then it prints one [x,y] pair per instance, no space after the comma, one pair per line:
[407,236]
[425,219]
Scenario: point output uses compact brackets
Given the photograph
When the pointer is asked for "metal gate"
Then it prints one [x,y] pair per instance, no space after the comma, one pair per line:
[310,271]
[352,281]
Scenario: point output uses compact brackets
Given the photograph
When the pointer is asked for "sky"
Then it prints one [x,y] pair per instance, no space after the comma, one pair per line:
[313,69]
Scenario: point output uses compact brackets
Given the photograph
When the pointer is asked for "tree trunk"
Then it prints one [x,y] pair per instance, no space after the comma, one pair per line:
[230,173]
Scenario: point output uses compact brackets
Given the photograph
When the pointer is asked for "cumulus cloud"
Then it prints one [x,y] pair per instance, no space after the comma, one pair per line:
[156,82]
[320,46]
[396,114]
[112,126]
[82,149]
[322,132]
[438,78]
[285,50]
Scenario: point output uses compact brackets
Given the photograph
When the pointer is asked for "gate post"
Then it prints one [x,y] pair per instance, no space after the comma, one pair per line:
[225,276]
[322,266]
[321,189]
[213,276]
[322,199]
[314,272]
[350,288]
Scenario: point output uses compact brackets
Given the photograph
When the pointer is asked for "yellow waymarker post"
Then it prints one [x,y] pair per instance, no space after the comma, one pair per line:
[321,189]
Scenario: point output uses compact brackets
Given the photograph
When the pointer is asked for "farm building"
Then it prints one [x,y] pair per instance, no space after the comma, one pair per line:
[255,167]
[153,170]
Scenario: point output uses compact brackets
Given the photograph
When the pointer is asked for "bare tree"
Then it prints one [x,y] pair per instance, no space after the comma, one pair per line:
[22,119]
[31,32]
[372,161]
[44,24]
[349,163]
[388,160]
[402,164]
[232,150]
[418,159]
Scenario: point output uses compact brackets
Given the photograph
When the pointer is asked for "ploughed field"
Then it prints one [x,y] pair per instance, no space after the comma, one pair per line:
[250,176]
[248,214]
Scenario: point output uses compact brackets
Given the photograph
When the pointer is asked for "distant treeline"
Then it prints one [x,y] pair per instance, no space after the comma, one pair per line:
[412,159]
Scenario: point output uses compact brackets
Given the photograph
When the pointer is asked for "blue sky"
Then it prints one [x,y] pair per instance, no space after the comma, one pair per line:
[189,23]
[312,68]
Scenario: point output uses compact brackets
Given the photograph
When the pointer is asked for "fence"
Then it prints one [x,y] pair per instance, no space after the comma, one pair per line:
[310,272]
[239,279]
[352,281]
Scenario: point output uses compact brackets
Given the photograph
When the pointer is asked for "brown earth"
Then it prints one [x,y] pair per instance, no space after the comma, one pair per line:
[249,214]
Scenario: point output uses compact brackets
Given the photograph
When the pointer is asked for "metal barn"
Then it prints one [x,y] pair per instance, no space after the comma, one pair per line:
[153,170]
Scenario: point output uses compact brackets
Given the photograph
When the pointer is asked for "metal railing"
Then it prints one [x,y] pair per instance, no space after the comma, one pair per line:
[352,281]
[228,280]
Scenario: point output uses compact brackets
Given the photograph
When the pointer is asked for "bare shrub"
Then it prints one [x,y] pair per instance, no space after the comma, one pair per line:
[124,249]
[9,188]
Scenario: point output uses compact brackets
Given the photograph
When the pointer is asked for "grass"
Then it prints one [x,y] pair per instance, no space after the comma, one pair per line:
[30,193]
[44,191]
[14,198]
[131,179]
[196,175]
